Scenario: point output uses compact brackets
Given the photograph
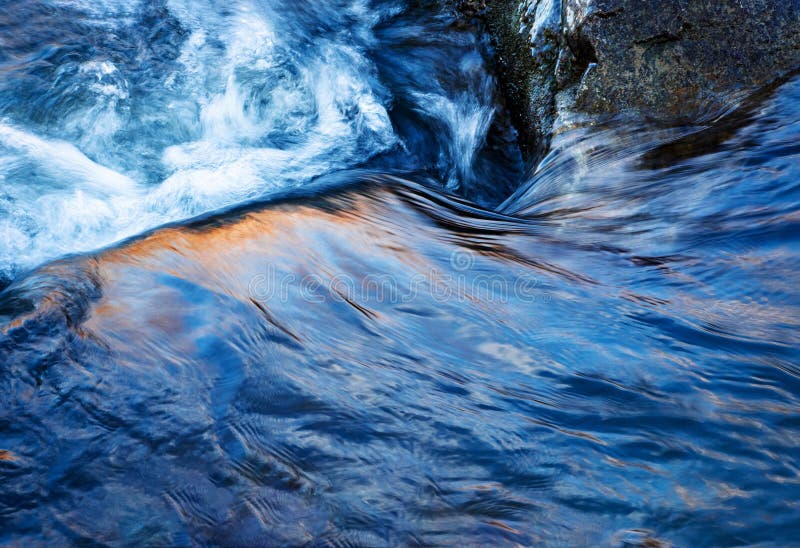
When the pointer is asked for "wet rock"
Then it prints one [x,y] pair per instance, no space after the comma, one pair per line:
[527,37]
[669,61]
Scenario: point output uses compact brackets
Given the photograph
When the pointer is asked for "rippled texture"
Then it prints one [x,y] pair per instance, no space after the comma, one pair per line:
[608,357]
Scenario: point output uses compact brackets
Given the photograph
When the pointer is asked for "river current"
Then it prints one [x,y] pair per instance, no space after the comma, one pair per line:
[276,274]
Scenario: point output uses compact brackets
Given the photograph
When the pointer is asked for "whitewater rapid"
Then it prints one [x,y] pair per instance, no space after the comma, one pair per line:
[121,116]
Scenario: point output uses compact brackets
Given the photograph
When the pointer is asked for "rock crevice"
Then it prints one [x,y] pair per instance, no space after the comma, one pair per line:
[666,61]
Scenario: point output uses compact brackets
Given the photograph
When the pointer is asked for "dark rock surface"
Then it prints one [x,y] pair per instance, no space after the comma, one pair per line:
[670,61]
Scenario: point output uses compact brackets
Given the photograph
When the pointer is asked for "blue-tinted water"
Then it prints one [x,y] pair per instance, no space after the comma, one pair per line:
[116,117]
[606,355]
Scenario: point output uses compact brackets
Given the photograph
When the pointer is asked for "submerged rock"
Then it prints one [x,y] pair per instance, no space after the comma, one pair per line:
[665,60]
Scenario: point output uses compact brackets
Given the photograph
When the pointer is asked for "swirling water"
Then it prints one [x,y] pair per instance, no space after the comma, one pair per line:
[116,117]
[606,355]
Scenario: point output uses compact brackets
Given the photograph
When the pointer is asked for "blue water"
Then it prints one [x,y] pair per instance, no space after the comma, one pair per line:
[276,275]
[119,116]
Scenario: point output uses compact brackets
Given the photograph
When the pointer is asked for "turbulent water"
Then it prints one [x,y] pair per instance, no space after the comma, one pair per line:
[379,330]
[119,116]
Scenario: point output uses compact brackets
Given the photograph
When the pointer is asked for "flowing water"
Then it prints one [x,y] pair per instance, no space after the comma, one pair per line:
[343,315]
[116,117]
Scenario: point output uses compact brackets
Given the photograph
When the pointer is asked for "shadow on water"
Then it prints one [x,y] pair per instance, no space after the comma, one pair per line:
[609,357]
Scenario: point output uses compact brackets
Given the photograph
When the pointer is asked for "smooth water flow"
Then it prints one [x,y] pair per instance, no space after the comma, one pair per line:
[379,330]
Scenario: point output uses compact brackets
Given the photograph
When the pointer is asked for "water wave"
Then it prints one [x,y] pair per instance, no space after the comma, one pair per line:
[178,108]
[607,357]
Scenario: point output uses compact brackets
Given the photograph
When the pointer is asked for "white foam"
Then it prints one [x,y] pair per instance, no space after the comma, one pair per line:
[258,115]
[64,163]
[243,111]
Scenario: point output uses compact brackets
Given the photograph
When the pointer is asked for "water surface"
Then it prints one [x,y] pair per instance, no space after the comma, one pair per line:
[431,349]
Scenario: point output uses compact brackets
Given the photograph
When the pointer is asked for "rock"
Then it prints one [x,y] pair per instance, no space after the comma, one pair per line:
[669,61]
[527,37]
